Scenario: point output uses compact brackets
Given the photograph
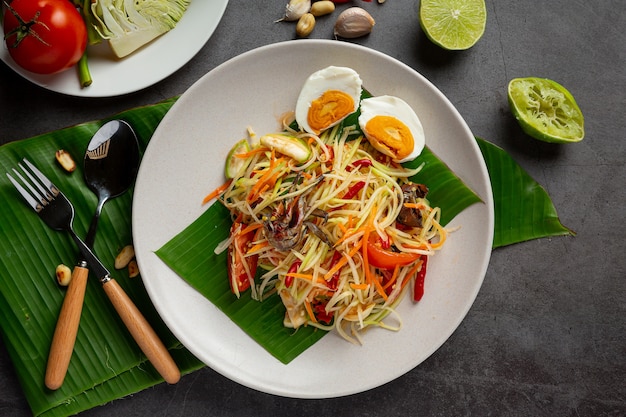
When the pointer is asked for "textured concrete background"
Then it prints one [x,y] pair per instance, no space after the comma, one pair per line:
[546,335]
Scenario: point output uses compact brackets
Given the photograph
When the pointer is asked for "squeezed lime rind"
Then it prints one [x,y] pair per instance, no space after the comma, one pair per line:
[546,110]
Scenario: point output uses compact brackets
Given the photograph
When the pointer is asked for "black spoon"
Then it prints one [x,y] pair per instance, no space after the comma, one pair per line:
[111,163]
[110,166]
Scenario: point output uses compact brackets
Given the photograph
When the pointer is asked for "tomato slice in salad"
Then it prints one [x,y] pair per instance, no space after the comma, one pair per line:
[384,258]
[241,268]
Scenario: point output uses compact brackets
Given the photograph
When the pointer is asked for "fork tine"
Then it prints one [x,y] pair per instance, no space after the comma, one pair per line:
[43,180]
[38,192]
[36,205]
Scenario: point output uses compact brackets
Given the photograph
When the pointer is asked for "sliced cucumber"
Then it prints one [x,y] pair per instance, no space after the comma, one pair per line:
[288,145]
[235,165]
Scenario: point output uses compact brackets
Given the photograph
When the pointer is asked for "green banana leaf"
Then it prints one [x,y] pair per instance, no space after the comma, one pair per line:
[523,209]
[106,363]
[191,255]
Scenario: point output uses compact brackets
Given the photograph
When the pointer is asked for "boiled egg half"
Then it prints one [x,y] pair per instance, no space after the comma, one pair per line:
[392,127]
[327,97]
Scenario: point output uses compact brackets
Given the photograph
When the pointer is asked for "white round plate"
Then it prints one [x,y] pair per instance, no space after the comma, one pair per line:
[152,63]
[184,161]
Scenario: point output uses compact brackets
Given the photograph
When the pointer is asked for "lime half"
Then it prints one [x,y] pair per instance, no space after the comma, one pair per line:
[546,110]
[453,24]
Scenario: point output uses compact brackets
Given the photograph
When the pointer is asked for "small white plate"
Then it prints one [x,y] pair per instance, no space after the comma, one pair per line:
[145,67]
[184,161]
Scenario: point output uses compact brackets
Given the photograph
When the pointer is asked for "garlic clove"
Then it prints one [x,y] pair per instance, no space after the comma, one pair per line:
[295,9]
[353,23]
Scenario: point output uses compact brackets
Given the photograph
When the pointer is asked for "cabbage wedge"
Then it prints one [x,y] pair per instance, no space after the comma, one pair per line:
[130,24]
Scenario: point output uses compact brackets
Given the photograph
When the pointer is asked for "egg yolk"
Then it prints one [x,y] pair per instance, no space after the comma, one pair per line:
[390,136]
[329,108]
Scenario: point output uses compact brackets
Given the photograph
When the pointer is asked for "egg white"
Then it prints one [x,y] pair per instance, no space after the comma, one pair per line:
[330,78]
[400,109]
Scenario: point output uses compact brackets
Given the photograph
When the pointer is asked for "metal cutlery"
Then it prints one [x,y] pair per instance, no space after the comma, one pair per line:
[57,212]
[109,169]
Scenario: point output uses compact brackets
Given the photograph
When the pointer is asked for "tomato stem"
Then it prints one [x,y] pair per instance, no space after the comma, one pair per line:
[24,28]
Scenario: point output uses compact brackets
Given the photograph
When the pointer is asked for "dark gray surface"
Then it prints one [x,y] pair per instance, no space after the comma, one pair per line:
[546,335]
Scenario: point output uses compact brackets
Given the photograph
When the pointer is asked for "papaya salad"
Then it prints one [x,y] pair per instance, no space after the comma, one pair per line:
[324,213]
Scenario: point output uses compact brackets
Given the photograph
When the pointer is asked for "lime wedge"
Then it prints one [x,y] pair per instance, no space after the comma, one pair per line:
[453,24]
[546,110]
[235,164]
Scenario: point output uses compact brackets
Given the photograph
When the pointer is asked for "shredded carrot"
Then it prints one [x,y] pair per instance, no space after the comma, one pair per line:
[252,152]
[359,286]
[249,228]
[379,288]
[219,190]
[308,277]
[394,277]
[342,261]
[417,206]
[413,272]
[309,310]
[267,180]
[346,235]
[258,247]
[347,230]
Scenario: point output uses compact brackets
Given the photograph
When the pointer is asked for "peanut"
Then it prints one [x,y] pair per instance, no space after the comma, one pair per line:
[133,269]
[124,257]
[322,8]
[65,160]
[305,25]
[64,275]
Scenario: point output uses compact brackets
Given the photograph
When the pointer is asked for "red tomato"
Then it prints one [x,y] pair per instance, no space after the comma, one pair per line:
[237,275]
[386,259]
[44,36]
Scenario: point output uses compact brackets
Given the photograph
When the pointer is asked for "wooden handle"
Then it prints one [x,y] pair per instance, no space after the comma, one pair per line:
[66,329]
[142,332]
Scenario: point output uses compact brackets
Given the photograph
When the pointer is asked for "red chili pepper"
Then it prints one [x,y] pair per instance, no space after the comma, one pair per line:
[319,309]
[418,289]
[360,163]
[292,270]
[353,190]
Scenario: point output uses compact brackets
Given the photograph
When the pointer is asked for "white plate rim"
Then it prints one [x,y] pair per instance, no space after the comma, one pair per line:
[234,364]
[142,69]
